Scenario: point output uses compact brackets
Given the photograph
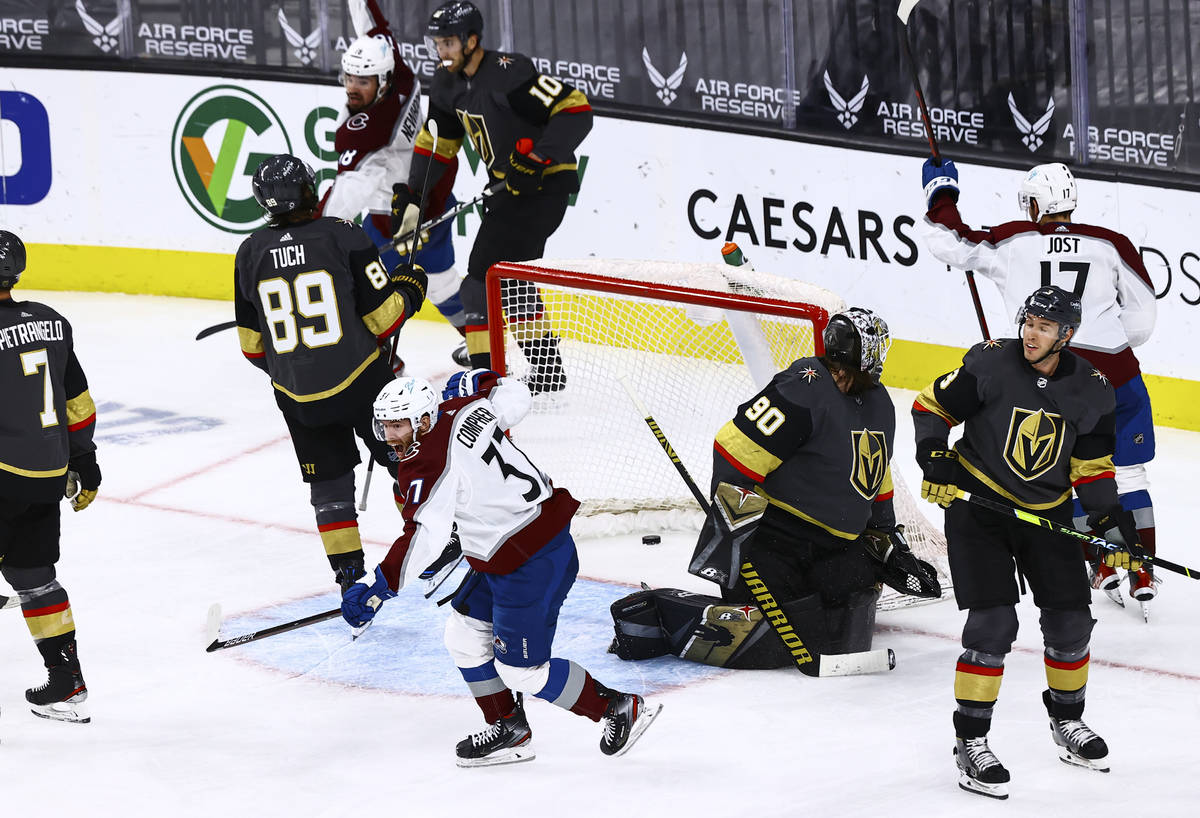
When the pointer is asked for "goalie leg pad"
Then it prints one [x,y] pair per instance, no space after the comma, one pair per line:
[638,632]
[731,522]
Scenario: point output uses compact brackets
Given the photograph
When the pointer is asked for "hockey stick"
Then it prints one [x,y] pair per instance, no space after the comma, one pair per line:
[1058,528]
[214,628]
[214,329]
[445,217]
[9,601]
[903,12]
[807,661]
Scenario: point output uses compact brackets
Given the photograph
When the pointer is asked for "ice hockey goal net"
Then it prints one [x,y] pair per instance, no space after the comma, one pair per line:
[692,341]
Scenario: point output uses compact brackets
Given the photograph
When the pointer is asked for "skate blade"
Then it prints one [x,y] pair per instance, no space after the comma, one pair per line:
[512,755]
[649,714]
[1114,593]
[998,791]
[1100,765]
[74,712]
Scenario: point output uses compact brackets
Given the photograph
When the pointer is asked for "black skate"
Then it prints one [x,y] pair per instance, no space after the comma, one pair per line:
[461,356]
[546,372]
[1079,744]
[625,719]
[64,694]
[507,740]
[979,769]
[436,572]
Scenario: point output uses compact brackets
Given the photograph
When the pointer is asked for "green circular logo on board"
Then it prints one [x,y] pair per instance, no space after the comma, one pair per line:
[220,138]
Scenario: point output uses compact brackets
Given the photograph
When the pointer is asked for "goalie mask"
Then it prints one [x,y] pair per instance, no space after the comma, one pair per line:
[858,339]
[405,399]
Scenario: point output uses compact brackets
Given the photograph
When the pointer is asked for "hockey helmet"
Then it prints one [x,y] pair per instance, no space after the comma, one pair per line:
[858,339]
[12,259]
[458,18]
[370,57]
[405,399]
[283,184]
[1052,186]
[1054,304]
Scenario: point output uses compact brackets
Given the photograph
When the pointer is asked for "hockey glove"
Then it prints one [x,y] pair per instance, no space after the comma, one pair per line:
[412,282]
[1116,525]
[899,567]
[524,173]
[405,218]
[936,178]
[939,466]
[83,481]
[469,382]
[362,599]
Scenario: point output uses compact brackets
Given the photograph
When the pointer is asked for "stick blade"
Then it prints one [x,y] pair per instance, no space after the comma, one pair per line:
[905,9]
[857,664]
[213,627]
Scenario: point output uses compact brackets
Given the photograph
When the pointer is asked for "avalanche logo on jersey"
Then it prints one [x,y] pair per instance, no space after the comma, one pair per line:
[1035,439]
[869,451]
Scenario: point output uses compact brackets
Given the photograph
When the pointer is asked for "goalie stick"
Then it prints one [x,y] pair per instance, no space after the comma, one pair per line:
[1090,539]
[806,660]
[904,11]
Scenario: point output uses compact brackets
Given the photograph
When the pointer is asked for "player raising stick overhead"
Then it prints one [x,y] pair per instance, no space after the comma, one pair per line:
[459,468]
[1102,269]
[374,142]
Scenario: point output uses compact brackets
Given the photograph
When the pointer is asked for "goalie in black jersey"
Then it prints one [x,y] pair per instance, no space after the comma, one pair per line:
[802,497]
[1037,422]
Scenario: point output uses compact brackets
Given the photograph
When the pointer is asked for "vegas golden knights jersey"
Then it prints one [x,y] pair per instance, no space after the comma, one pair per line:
[47,416]
[506,100]
[1027,437]
[812,451]
[313,305]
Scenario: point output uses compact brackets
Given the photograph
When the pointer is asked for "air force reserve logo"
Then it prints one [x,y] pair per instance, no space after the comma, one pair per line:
[870,456]
[667,86]
[1035,440]
[1031,134]
[305,47]
[847,109]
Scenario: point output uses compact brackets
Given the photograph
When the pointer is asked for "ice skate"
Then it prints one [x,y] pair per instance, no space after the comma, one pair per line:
[1143,587]
[1105,579]
[1079,744]
[625,719]
[508,740]
[979,769]
[461,356]
[64,694]
[546,372]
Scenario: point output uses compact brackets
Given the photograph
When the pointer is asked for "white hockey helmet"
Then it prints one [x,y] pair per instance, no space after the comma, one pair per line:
[405,399]
[1052,186]
[370,57]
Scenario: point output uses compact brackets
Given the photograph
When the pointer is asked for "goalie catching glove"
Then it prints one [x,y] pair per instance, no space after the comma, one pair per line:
[732,519]
[899,567]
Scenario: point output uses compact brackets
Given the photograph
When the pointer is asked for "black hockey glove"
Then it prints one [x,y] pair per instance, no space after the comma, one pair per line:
[524,173]
[899,567]
[83,480]
[1116,525]
[939,466]
[411,280]
[406,216]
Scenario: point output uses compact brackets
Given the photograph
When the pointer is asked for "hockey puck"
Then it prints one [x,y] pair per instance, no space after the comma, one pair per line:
[651,539]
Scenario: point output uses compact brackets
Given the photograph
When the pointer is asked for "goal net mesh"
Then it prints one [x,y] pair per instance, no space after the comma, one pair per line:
[691,341]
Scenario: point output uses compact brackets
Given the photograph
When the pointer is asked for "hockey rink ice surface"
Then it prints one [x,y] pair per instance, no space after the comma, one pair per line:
[202,503]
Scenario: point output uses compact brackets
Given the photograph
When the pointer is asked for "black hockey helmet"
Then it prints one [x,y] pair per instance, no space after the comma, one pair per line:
[1054,304]
[857,339]
[458,18]
[12,259]
[283,184]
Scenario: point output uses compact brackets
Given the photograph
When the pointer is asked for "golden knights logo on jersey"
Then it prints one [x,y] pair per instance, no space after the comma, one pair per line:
[1035,440]
[870,462]
[477,132]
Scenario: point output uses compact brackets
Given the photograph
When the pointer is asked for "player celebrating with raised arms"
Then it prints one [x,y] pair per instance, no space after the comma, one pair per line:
[502,104]
[1102,269]
[459,468]
[1037,422]
[374,142]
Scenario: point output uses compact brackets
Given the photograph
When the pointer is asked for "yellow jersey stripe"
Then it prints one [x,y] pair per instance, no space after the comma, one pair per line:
[386,315]
[332,390]
[748,454]
[31,472]
[251,341]
[837,532]
[80,407]
[994,486]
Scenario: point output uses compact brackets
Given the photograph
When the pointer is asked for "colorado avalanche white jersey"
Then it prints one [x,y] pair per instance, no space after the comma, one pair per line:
[1099,265]
[467,472]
